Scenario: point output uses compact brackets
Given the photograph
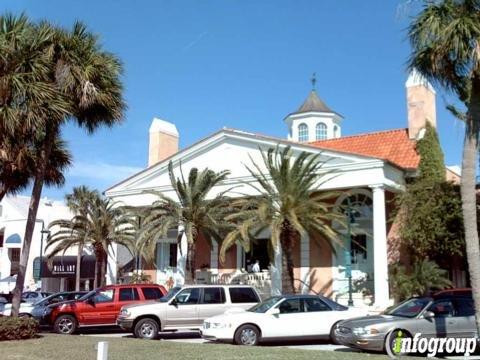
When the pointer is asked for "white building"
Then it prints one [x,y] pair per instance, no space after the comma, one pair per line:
[369,168]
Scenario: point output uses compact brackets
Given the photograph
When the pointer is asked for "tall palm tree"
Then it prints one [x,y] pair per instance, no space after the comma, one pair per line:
[445,40]
[86,88]
[288,204]
[100,224]
[194,213]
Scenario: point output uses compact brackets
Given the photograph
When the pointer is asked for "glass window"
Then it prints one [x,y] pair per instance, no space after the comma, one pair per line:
[335,131]
[359,248]
[128,294]
[321,131]
[188,296]
[464,307]
[302,132]
[290,306]
[104,296]
[151,293]
[243,295]
[166,255]
[265,305]
[213,296]
[442,308]
[409,308]
[315,304]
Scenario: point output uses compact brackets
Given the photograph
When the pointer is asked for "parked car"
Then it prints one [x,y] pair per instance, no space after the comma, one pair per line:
[39,308]
[185,308]
[100,307]
[280,317]
[447,313]
[34,296]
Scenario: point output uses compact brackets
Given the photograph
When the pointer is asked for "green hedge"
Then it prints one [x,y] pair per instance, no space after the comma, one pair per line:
[14,328]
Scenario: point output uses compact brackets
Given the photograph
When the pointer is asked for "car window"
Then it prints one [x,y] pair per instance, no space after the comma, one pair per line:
[104,296]
[151,293]
[243,295]
[213,295]
[464,307]
[409,308]
[290,306]
[441,308]
[315,304]
[188,296]
[128,294]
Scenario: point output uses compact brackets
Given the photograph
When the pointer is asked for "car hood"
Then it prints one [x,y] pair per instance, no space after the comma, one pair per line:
[371,320]
[146,304]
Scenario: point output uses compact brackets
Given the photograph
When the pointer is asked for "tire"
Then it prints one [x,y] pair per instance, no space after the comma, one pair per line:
[65,325]
[247,335]
[147,329]
[332,334]
[390,339]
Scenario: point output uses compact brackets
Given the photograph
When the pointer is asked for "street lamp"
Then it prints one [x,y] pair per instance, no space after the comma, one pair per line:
[348,251]
[47,232]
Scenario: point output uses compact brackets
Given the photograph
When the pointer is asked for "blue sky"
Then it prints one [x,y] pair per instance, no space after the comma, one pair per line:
[243,64]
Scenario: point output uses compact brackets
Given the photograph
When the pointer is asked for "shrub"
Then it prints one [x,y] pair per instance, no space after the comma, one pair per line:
[15,328]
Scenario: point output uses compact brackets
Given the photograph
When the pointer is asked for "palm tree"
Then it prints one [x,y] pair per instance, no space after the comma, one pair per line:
[85,87]
[288,204]
[99,224]
[445,40]
[194,213]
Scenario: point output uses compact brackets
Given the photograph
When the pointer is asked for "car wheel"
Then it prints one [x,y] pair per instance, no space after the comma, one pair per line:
[391,341]
[65,324]
[332,334]
[147,329]
[247,335]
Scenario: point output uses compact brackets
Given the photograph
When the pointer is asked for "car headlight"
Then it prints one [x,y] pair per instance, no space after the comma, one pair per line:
[219,325]
[124,313]
[364,331]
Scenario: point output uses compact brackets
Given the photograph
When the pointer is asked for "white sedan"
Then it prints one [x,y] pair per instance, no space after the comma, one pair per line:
[279,317]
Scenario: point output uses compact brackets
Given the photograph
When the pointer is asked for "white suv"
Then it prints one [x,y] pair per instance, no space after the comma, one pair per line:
[185,308]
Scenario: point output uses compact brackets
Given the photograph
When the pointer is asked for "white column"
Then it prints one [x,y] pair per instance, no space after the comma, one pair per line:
[305,264]
[112,265]
[380,260]
[240,256]
[181,258]
[276,272]
[214,257]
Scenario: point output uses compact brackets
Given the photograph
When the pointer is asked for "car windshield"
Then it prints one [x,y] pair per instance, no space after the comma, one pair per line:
[171,293]
[87,295]
[47,300]
[409,308]
[264,306]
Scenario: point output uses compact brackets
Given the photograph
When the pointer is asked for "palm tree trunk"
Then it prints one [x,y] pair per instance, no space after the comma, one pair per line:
[79,264]
[103,271]
[98,266]
[51,133]
[190,271]
[95,279]
[3,192]
[468,182]
[287,239]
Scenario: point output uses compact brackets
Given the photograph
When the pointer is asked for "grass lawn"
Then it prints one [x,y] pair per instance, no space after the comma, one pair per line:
[60,347]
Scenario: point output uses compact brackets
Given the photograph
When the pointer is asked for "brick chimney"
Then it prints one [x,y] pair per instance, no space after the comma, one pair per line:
[163,141]
[420,104]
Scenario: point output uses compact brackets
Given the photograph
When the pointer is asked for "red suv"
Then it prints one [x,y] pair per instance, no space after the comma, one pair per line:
[100,307]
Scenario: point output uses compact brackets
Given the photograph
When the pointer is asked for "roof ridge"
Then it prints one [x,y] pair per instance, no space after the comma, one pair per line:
[359,135]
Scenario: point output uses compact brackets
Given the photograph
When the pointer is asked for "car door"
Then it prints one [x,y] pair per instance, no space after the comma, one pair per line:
[126,296]
[465,318]
[100,309]
[182,310]
[321,317]
[442,324]
[212,303]
[290,322]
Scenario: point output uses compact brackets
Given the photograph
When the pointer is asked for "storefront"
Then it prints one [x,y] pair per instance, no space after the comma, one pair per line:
[60,275]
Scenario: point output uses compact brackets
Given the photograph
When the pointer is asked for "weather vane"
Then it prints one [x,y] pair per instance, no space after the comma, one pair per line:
[314,80]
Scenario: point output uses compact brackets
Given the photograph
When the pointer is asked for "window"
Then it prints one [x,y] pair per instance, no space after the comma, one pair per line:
[320,131]
[243,295]
[166,255]
[443,308]
[359,248]
[335,131]
[151,293]
[188,296]
[302,132]
[315,304]
[14,255]
[2,237]
[290,306]
[213,296]
[464,307]
[104,296]
[128,294]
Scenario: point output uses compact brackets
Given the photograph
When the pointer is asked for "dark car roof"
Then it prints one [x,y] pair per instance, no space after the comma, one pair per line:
[459,292]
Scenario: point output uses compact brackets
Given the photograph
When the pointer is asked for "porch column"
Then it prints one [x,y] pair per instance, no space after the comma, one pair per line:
[214,257]
[240,256]
[305,264]
[276,272]
[181,259]
[380,261]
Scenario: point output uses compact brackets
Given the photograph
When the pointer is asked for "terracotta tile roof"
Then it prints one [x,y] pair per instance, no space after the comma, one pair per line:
[391,145]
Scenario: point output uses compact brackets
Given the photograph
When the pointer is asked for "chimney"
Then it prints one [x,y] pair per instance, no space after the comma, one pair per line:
[420,104]
[163,141]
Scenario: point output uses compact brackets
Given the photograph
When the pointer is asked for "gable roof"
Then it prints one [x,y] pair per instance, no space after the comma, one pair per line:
[392,145]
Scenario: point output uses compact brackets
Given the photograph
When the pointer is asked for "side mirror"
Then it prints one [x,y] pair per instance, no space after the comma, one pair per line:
[275,311]
[91,301]
[174,302]
[428,315]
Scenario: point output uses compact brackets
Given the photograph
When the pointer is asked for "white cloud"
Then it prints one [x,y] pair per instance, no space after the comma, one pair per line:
[102,171]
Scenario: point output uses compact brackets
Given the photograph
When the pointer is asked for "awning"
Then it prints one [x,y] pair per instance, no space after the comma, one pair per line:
[65,267]
[13,241]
